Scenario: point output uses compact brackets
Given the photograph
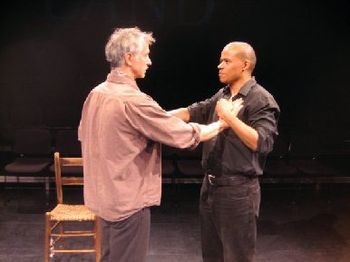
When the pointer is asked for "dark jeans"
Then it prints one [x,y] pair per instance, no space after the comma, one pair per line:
[126,240]
[228,220]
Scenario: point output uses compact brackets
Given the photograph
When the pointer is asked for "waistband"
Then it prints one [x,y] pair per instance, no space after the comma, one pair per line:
[232,180]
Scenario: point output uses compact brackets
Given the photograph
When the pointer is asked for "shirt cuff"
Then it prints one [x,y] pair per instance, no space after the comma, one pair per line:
[196,135]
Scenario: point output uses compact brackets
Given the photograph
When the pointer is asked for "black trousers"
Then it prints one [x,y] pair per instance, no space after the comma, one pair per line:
[126,240]
[228,216]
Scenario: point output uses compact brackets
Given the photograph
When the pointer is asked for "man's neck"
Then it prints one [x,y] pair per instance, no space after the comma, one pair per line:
[123,70]
[237,85]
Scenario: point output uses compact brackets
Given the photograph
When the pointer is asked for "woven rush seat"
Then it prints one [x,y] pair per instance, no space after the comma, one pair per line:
[64,212]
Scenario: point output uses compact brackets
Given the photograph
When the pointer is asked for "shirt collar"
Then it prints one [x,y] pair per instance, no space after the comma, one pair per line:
[120,78]
[247,86]
[244,89]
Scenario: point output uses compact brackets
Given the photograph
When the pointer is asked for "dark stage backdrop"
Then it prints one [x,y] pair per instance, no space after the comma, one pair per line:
[52,54]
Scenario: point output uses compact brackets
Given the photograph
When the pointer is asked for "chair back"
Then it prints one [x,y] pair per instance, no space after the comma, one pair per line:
[281,147]
[32,141]
[67,143]
[61,180]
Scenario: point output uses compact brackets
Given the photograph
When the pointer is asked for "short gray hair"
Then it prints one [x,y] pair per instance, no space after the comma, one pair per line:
[123,41]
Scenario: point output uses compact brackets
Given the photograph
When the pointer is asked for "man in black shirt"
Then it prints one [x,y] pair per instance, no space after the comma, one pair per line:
[232,161]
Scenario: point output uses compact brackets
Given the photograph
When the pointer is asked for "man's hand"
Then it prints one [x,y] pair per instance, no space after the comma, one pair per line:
[223,124]
[209,131]
[226,109]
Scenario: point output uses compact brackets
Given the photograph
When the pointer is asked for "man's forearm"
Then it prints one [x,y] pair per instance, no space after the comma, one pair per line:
[228,112]
[247,134]
[211,130]
[207,131]
[181,113]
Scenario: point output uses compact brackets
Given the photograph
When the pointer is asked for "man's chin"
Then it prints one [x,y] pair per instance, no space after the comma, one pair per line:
[140,76]
[222,80]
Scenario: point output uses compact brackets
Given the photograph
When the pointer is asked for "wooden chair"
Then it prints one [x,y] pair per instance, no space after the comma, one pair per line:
[73,215]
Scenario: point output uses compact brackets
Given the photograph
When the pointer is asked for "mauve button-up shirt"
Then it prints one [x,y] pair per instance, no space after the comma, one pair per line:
[120,130]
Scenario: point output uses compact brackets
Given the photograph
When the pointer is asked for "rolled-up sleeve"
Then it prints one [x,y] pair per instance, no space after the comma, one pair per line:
[200,112]
[265,120]
[148,118]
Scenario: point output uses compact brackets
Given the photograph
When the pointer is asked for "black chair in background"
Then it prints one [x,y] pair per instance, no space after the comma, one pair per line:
[278,168]
[279,171]
[59,117]
[336,154]
[306,155]
[27,115]
[168,169]
[168,164]
[21,116]
[32,155]
[189,165]
[67,144]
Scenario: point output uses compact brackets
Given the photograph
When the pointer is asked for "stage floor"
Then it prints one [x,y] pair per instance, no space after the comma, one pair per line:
[297,224]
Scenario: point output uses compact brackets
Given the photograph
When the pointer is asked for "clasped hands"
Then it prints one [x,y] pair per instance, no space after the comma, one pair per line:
[227,110]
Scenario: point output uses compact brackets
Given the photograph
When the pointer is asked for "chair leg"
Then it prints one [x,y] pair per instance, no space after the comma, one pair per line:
[47,237]
[97,239]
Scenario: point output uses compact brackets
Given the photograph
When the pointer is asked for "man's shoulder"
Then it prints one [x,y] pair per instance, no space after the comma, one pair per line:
[120,91]
[258,90]
[262,94]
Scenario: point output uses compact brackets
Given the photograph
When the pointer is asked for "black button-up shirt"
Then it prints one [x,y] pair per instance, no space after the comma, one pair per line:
[226,154]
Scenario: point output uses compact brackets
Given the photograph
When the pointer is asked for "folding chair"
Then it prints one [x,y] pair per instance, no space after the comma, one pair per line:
[32,148]
[58,220]
[68,145]
[189,165]
[277,168]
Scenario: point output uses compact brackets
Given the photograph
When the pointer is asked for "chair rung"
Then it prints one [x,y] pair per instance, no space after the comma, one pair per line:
[73,251]
[71,234]
[55,225]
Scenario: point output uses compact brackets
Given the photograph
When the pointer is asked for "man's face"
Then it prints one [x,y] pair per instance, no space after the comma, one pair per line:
[231,66]
[141,62]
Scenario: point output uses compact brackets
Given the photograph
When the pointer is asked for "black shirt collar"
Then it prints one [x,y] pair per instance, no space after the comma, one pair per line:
[244,89]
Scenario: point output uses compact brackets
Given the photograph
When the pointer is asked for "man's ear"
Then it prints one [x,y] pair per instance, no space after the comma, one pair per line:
[246,66]
[128,57]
